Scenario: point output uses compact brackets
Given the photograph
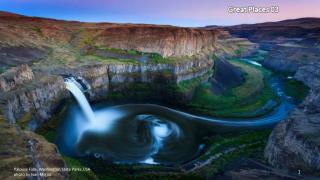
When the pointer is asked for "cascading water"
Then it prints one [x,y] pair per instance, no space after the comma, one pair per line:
[86,120]
[99,126]
[73,86]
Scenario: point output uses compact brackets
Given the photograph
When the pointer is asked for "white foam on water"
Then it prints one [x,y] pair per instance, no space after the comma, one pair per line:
[72,86]
[98,121]
[255,63]
[161,130]
[149,160]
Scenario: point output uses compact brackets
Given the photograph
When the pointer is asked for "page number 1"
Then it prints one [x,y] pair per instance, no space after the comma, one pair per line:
[299,172]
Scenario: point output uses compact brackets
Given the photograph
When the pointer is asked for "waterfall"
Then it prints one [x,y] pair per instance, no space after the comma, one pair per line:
[73,86]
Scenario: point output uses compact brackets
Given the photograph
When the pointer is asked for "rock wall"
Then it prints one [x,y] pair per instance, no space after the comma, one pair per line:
[165,40]
[179,71]
[15,77]
[294,144]
[38,95]
[289,57]
[309,74]
[226,76]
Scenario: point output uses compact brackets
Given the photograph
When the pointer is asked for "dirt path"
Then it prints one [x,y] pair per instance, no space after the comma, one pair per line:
[199,164]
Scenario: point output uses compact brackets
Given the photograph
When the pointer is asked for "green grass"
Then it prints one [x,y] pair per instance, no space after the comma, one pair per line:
[187,85]
[154,58]
[173,60]
[255,141]
[236,102]
[296,89]
[104,60]
[158,59]
[79,175]
[222,142]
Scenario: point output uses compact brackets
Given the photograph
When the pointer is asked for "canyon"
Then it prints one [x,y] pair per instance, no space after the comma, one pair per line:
[36,53]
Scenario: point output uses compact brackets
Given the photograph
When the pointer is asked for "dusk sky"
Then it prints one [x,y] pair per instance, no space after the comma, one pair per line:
[174,12]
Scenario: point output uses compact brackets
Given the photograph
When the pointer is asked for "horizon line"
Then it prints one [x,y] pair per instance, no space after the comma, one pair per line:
[139,23]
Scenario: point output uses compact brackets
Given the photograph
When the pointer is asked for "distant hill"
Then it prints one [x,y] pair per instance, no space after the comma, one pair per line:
[308,22]
[305,31]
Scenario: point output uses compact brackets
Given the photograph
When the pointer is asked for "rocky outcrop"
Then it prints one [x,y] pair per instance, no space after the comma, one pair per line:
[295,145]
[309,74]
[15,77]
[312,102]
[24,150]
[225,77]
[41,97]
[38,95]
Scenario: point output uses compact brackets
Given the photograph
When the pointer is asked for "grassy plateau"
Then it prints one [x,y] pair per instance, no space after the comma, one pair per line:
[241,101]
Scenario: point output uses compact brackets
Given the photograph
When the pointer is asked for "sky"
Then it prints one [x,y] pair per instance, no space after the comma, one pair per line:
[190,13]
